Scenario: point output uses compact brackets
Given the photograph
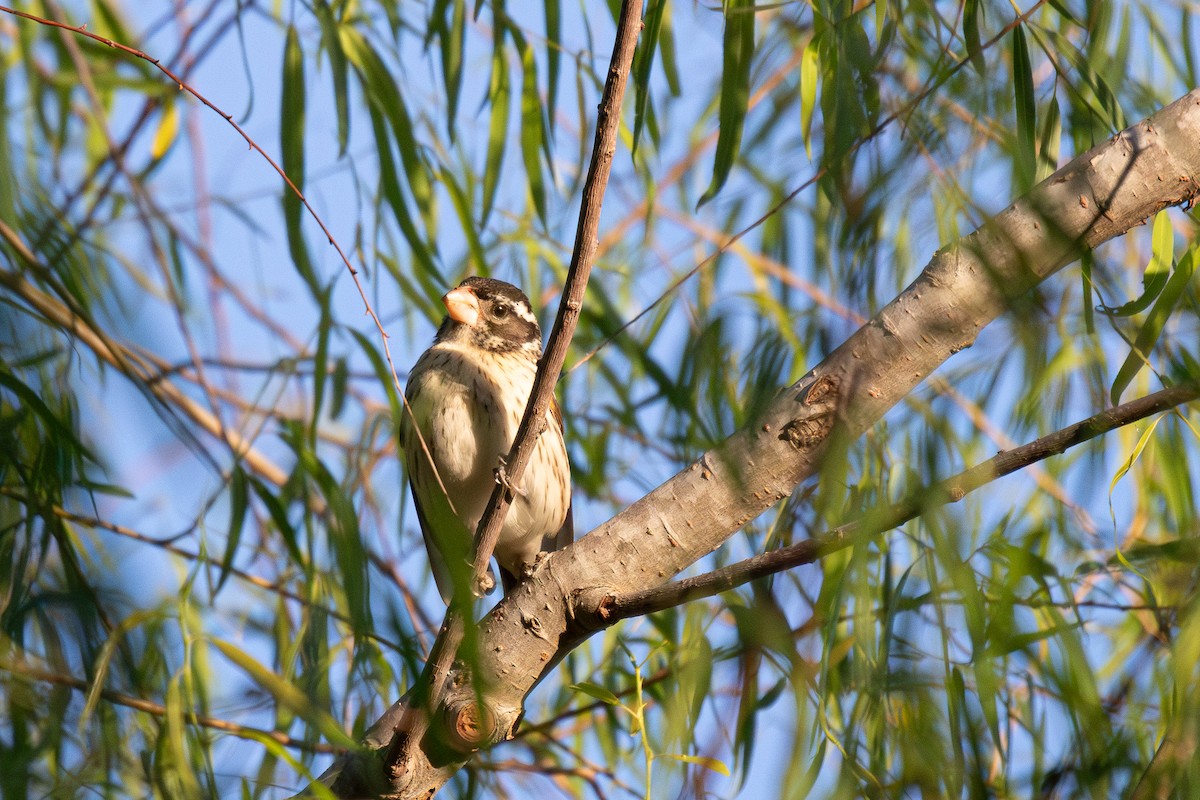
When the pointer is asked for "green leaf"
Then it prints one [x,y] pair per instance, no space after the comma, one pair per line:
[167,131]
[385,97]
[533,127]
[643,60]
[341,375]
[666,46]
[339,72]
[498,97]
[449,18]
[553,13]
[1025,157]
[972,11]
[810,77]
[1156,320]
[1049,141]
[389,182]
[382,372]
[1086,264]
[1162,255]
[291,136]
[735,91]
[596,691]
[714,764]
[1143,440]
[287,695]
[462,207]
[239,501]
[278,516]
[321,361]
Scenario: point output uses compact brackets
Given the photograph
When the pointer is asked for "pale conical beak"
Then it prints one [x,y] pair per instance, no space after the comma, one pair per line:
[462,305]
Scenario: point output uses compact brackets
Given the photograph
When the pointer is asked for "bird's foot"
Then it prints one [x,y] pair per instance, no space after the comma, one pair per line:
[529,569]
[502,478]
[483,584]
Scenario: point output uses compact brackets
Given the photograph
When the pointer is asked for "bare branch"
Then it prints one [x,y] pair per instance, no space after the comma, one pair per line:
[872,523]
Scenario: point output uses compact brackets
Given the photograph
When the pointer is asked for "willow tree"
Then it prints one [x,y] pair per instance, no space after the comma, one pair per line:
[808,571]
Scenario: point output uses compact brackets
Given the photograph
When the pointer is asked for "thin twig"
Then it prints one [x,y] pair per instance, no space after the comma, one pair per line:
[186,87]
[429,689]
[159,710]
[953,489]
[933,84]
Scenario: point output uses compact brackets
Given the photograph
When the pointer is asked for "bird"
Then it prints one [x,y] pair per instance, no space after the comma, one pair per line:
[466,395]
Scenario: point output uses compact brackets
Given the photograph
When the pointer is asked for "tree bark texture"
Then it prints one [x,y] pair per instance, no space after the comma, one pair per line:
[1099,195]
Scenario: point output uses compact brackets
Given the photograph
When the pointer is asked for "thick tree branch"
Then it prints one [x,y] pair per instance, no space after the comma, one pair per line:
[37,673]
[467,724]
[874,522]
[1098,196]
[604,148]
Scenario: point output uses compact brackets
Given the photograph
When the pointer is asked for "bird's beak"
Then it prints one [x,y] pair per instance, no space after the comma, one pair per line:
[462,305]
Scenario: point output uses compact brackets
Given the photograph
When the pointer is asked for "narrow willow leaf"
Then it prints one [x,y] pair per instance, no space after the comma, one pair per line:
[1156,320]
[239,501]
[596,691]
[972,11]
[382,373]
[1109,109]
[286,694]
[454,36]
[810,76]
[533,127]
[553,13]
[735,91]
[1049,141]
[498,98]
[321,362]
[384,94]
[173,762]
[666,46]
[339,72]
[389,182]
[1162,255]
[291,135]
[643,60]
[61,428]
[292,109]
[279,517]
[167,131]
[341,376]
[1138,448]
[1086,264]
[462,207]
[714,764]
[1025,157]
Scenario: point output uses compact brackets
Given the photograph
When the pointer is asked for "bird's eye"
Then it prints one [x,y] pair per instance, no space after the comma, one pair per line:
[500,311]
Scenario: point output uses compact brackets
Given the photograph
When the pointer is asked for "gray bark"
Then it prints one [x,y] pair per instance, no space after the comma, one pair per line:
[1099,195]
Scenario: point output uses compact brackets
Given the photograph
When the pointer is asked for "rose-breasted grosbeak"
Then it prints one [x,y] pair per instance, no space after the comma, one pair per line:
[467,394]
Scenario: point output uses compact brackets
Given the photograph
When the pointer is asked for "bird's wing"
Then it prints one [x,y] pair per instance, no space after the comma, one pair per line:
[445,535]
[566,534]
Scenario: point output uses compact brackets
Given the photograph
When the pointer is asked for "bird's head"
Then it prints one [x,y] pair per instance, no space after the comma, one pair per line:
[491,315]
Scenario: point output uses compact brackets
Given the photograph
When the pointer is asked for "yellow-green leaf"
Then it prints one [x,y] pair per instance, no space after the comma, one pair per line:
[735,91]
[810,76]
[286,694]
[714,764]
[167,131]
[596,691]
[1156,320]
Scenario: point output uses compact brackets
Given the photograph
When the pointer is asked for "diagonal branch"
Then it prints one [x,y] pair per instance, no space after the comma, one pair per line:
[1101,194]
[875,522]
[410,718]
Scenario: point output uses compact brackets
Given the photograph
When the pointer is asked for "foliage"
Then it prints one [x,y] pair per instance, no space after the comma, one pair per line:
[210,577]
